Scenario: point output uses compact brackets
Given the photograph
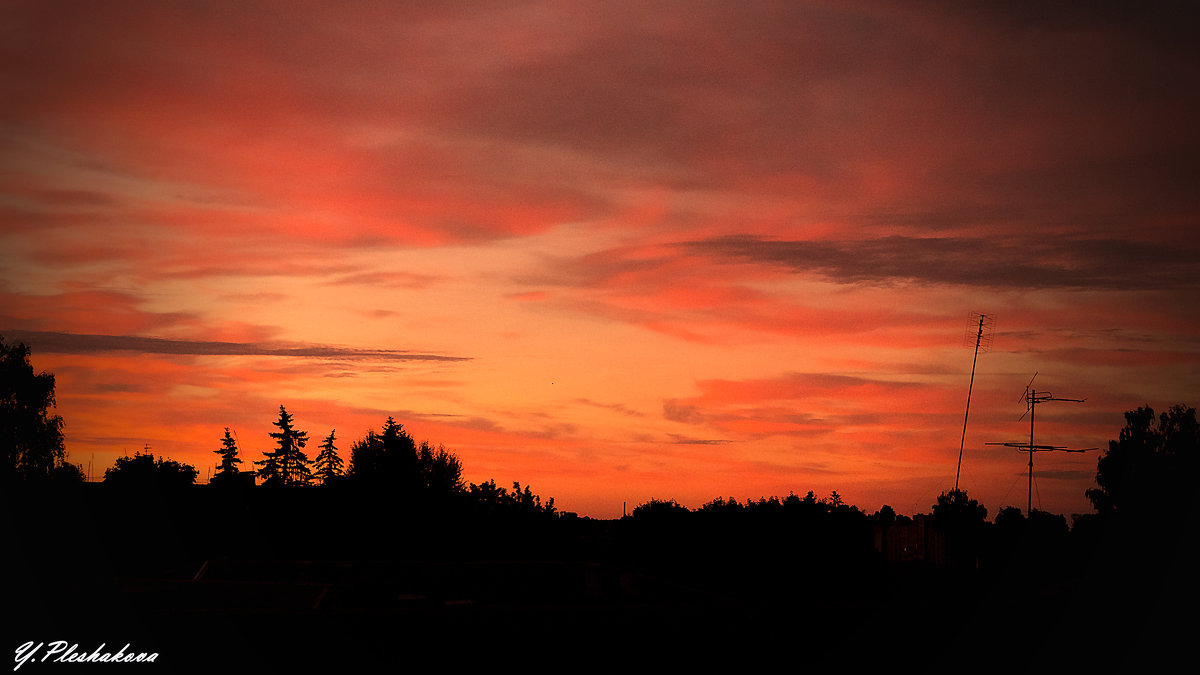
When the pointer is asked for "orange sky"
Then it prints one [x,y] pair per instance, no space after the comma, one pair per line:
[613,250]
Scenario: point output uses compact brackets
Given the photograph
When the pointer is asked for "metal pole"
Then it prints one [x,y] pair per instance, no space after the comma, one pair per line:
[1032,412]
[970,387]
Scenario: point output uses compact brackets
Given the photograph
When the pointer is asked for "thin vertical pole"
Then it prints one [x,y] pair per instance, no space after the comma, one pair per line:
[1032,400]
[963,441]
[1032,412]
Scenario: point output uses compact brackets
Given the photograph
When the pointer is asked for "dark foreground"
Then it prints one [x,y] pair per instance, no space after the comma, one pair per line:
[210,583]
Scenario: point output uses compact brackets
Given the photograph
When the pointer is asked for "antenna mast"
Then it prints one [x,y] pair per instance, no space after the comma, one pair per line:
[1032,398]
[983,327]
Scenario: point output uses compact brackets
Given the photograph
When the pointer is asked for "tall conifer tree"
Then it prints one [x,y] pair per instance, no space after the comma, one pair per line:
[328,464]
[227,469]
[287,465]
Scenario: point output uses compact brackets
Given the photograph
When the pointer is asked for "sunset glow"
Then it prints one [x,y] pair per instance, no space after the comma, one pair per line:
[615,251]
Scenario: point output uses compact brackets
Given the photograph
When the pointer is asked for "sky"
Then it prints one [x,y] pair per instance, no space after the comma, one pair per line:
[612,250]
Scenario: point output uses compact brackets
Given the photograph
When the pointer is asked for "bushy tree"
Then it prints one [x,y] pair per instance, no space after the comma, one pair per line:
[287,465]
[954,510]
[718,507]
[528,502]
[440,469]
[885,516]
[962,519]
[143,470]
[491,498]
[68,473]
[1151,467]
[389,458]
[488,495]
[1010,517]
[658,509]
[31,436]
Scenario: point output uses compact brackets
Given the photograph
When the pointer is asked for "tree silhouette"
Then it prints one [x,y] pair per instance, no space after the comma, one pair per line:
[31,437]
[67,472]
[1152,466]
[719,507]
[389,457]
[441,470]
[328,465]
[488,495]
[955,510]
[660,509]
[287,465]
[1010,517]
[528,502]
[491,498]
[227,470]
[962,519]
[885,516]
[364,456]
[143,470]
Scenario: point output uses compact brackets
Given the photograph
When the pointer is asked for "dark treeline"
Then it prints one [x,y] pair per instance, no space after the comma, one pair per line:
[367,558]
[409,475]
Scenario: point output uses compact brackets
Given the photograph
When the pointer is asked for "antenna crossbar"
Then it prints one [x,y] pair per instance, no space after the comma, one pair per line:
[1032,399]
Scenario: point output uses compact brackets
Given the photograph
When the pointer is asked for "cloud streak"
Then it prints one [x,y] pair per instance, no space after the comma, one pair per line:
[1051,262]
[75,343]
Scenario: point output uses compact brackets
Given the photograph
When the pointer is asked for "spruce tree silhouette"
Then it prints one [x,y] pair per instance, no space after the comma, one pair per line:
[328,465]
[227,470]
[287,465]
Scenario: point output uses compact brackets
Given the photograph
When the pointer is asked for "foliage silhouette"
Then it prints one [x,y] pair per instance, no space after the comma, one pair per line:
[955,511]
[490,498]
[885,516]
[1151,468]
[388,457]
[287,465]
[328,465]
[1048,524]
[31,436]
[1038,539]
[227,470]
[441,470]
[1010,517]
[143,470]
[963,521]
[67,472]
[659,510]
[719,507]
[392,459]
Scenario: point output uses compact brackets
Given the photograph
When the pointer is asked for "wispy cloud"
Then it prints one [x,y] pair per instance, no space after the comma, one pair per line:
[75,343]
[615,407]
[1050,262]
[684,440]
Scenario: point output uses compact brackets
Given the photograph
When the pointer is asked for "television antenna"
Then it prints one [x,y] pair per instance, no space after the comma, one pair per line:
[981,327]
[1032,398]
